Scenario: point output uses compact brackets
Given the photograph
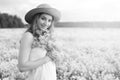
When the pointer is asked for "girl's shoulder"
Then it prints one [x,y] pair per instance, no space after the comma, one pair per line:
[27,37]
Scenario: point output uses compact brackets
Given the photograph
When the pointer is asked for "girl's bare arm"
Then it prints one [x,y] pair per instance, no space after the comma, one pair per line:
[23,61]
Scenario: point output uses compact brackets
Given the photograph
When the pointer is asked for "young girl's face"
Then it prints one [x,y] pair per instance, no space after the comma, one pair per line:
[45,21]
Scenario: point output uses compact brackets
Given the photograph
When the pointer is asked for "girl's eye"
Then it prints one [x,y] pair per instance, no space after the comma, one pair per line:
[50,20]
[43,18]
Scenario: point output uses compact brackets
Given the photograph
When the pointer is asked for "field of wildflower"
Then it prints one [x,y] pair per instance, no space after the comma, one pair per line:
[89,53]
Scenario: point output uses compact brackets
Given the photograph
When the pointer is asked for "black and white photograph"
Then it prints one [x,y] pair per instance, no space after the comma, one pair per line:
[59,39]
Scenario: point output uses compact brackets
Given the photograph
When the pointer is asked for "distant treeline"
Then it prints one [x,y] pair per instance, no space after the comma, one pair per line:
[10,21]
[86,24]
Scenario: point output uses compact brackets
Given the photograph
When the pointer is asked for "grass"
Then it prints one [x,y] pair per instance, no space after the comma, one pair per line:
[91,53]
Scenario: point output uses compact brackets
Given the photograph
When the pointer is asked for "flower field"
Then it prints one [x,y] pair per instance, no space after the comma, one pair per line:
[89,53]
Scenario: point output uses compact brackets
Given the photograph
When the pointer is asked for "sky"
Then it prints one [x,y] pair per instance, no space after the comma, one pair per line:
[71,10]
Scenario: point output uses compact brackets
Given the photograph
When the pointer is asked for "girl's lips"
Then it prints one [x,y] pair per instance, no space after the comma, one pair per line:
[44,26]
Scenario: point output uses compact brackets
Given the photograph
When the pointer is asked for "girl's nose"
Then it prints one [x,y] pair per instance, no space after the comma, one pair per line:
[46,23]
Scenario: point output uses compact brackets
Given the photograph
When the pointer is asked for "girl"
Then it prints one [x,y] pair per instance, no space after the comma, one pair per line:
[37,54]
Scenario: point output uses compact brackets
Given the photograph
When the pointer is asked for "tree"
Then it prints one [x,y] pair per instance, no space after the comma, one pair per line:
[10,21]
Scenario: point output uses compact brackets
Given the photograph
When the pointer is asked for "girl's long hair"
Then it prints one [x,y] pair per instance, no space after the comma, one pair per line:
[34,26]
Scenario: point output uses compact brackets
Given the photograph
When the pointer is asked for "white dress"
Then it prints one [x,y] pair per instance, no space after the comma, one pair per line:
[46,71]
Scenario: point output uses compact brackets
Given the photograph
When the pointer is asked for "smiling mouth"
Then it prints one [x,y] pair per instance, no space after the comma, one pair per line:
[43,27]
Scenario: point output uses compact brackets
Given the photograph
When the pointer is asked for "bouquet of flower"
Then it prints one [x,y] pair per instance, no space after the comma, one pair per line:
[47,40]
[44,36]
[54,52]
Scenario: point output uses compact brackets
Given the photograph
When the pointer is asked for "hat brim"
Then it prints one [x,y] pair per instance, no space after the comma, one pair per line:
[51,11]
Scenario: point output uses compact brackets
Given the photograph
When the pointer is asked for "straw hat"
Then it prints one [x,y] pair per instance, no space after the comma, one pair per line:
[43,8]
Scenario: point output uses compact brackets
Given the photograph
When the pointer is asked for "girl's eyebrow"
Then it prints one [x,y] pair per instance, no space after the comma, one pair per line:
[43,17]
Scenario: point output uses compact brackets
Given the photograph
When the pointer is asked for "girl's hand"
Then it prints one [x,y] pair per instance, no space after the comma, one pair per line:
[50,55]
[53,56]
[47,59]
